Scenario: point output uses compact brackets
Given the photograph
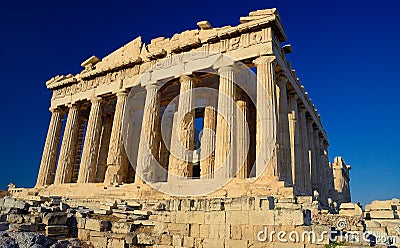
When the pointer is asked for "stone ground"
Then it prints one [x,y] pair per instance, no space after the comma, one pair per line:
[34,240]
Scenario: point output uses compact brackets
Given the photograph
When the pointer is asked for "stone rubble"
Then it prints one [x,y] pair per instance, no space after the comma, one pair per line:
[223,222]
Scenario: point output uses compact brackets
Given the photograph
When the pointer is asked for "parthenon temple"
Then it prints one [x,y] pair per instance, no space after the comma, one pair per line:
[177,115]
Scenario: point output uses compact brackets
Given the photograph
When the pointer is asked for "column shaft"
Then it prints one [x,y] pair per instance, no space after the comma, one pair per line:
[68,147]
[295,145]
[207,151]
[305,175]
[311,154]
[318,161]
[50,150]
[284,135]
[104,147]
[117,160]
[266,137]
[242,135]
[165,140]
[88,167]
[225,155]
[182,150]
[149,136]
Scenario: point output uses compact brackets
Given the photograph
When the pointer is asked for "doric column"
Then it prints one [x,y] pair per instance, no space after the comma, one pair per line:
[66,159]
[284,135]
[311,154]
[207,150]
[318,160]
[50,150]
[182,149]
[117,160]
[305,168]
[104,147]
[328,175]
[88,167]
[165,141]
[242,134]
[149,136]
[295,145]
[266,137]
[225,155]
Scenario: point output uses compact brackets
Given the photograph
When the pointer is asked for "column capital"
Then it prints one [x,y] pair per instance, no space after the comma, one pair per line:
[73,105]
[54,109]
[302,108]
[281,80]
[264,60]
[96,99]
[225,68]
[189,77]
[293,93]
[152,86]
[121,93]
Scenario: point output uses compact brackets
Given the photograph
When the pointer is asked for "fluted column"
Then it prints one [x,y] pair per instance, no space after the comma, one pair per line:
[88,167]
[295,145]
[266,137]
[165,141]
[284,135]
[50,150]
[149,136]
[305,168]
[104,147]
[243,135]
[117,160]
[318,160]
[182,150]
[66,160]
[207,150]
[311,154]
[225,155]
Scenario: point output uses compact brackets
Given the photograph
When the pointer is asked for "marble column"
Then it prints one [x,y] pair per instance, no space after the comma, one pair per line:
[225,155]
[88,166]
[295,145]
[50,150]
[311,154]
[305,168]
[284,135]
[149,136]
[117,160]
[104,147]
[182,150]
[242,134]
[266,137]
[207,150]
[318,160]
[165,140]
[66,159]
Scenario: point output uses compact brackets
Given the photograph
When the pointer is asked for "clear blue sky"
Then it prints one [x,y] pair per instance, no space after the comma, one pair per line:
[345,52]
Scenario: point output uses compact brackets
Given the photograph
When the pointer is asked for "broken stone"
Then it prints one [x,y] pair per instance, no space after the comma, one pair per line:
[121,227]
[15,218]
[55,218]
[57,231]
[3,226]
[97,225]
[141,212]
[144,239]
[12,203]
[26,227]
